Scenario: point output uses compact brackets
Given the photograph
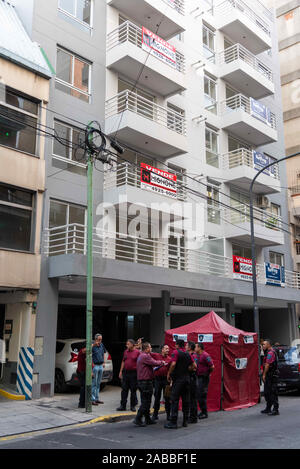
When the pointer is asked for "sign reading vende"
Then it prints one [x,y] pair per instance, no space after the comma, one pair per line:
[242,268]
[158,47]
[158,181]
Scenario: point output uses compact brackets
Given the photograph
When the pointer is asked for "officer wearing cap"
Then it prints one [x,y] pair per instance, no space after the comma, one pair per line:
[270,379]
[205,367]
[181,365]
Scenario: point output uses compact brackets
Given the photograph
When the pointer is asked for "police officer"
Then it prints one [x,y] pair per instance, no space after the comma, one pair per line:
[181,365]
[190,348]
[128,375]
[270,379]
[205,367]
[160,382]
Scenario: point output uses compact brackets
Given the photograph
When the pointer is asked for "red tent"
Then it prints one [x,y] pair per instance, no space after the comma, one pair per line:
[234,384]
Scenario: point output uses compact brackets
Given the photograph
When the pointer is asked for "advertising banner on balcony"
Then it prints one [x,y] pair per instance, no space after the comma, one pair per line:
[260,161]
[260,111]
[158,180]
[242,268]
[158,47]
[275,275]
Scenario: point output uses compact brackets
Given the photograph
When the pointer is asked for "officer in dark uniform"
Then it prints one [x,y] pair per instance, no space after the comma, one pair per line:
[193,415]
[181,365]
[270,379]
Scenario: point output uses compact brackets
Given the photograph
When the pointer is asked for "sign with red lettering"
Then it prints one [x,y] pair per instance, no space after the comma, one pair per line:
[242,268]
[158,47]
[158,180]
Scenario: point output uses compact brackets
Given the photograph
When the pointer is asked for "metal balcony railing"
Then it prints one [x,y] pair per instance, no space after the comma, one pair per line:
[129,32]
[178,5]
[239,52]
[240,102]
[243,157]
[130,101]
[128,174]
[240,213]
[71,239]
[226,8]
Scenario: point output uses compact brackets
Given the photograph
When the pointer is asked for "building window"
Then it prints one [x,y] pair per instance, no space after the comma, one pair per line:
[67,225]
[68,144]
[80,10]
[273,216]
[208,37]
[73,75]
[176,119]
[16,215]
[210,94]
[213,206]
[241,251]
[276,258]
[211,145]
[18,122]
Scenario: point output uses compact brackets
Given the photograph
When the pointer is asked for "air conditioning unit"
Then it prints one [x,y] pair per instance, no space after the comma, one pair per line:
[263,201]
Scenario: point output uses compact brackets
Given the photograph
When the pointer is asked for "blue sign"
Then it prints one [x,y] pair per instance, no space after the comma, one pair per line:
[260,111]
[275,275]
[260,161]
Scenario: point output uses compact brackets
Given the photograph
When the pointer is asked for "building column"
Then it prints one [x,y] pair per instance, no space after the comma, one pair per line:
[293,322]
[45,336]
[159,321]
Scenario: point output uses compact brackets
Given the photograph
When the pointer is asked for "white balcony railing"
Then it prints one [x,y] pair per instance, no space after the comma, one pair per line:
[71,239]
[240,213]
[240,102]
[226,8]
[243,157]
[130,101]
[127,174]
[239,52]
[178,5]
[129,32]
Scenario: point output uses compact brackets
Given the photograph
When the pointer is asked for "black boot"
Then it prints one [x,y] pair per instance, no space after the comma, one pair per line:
[154,417]
[265,411]
[139,423]
[171,425]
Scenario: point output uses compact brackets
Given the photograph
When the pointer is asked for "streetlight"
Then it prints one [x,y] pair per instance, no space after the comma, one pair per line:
[254,279]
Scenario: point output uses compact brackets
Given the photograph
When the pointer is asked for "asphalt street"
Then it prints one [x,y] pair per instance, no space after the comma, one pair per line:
[241,429]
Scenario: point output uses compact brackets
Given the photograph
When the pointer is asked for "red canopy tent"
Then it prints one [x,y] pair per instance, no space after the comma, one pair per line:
[234,384]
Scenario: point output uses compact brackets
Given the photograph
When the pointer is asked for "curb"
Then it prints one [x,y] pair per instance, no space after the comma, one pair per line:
[14,397]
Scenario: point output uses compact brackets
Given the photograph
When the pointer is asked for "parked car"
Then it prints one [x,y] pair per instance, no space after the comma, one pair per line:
[66,364]
[289,367]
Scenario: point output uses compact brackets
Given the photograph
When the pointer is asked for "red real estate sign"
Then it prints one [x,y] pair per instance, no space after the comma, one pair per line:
[158,180]
[242,268]
[158,47]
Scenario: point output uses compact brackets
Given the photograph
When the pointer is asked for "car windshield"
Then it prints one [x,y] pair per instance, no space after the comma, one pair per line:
[288,354]
[76,346]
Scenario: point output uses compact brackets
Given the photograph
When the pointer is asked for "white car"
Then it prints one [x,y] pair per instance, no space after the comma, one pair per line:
[66,364]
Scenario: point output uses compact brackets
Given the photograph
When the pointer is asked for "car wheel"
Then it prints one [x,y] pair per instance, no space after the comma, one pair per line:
[59,383]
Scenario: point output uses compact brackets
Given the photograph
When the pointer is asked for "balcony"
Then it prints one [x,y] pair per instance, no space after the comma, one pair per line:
[244,71]
[239,167]
[267,227]
[150,13]
[126,56]
[249,120]
[243,25]
[147,126]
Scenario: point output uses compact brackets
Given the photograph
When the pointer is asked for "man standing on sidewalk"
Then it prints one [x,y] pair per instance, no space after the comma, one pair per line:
[193,417]
[205,367]
[161,382]
[145,375]
[128,375]
[98,351]
[270,379]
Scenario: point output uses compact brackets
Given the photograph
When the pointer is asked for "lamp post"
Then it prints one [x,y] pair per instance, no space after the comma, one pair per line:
[254,279]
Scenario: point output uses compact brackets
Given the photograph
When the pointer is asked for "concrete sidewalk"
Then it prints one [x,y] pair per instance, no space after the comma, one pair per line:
[17,417]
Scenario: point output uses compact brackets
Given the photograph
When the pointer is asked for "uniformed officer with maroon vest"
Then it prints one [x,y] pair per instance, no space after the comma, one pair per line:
[270,379]
[205,367]
[179,374]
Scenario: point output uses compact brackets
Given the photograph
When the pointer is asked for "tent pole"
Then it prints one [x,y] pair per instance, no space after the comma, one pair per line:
[222,377]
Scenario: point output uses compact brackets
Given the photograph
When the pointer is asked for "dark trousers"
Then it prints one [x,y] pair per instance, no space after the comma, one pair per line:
[160,384]
[180,389]
[81,377]
[146,390]
[193,397]
[202,390]
[129,383]
[271,393]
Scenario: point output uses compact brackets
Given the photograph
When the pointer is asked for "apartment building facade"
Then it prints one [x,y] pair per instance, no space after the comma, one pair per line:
[24,95]
[191,90]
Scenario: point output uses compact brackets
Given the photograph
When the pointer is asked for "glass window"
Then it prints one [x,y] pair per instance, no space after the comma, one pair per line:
[241,251]
[72,75]
[277,258]
[208,37]
[18,122]
[80,9]
[213,206]
[15,218]
[211,144]
[68,145]
[210,94]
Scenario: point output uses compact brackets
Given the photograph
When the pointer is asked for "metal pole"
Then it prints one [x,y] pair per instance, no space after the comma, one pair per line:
[89,292]
[253,253]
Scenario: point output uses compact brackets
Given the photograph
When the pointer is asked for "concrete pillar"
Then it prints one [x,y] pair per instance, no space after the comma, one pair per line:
[45,336]
[293,322]
[159,321]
